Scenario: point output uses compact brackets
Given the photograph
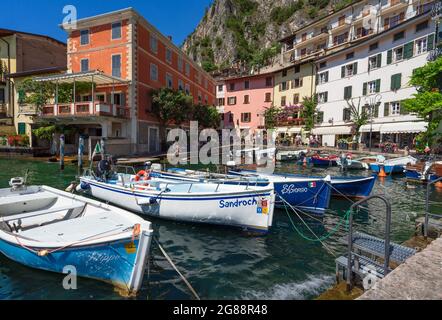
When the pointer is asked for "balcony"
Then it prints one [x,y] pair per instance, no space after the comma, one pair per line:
[394,5]
[342,25]
[28,110]
[3,72]
[316,36]
[85,109]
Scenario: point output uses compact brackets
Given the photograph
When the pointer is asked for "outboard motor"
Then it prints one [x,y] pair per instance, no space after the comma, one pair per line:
[17,183]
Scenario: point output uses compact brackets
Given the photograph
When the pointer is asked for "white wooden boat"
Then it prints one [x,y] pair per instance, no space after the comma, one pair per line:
[45,228]
[247,207]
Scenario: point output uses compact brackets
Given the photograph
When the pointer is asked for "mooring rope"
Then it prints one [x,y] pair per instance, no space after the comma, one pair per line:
[176,269]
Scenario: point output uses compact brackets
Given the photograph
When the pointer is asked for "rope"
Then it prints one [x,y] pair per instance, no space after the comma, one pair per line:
[176,269]
[340,193]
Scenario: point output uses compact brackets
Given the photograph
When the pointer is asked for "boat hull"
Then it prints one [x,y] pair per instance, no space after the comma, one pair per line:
[323,162]
[113,262]
[251,211]
[352,187]
[389,169]
[416,176]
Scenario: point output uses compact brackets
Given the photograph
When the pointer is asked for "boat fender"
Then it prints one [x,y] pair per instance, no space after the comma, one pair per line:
[42,253]
[328,179]
[136,231]
[143,175]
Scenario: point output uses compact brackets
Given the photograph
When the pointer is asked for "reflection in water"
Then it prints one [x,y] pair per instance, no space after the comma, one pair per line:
[223,263]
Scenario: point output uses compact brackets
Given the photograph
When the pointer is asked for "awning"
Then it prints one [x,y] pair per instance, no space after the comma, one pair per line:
[399,127]
[288,130]
[96,77]
[332,130]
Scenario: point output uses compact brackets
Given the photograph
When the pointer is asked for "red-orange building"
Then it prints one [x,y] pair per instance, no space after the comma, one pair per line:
[126,58]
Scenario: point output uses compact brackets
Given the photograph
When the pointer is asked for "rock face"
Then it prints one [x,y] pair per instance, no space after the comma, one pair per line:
[247,31]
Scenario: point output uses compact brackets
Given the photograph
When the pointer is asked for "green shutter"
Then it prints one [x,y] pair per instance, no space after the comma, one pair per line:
[347,92]
[430,42]
[378,85]
[396,81]
[364,89]
[379,60]
[355,68]
[376,112]
[21,128]
[343,72]
[389,56]
[386,109]
[408,50]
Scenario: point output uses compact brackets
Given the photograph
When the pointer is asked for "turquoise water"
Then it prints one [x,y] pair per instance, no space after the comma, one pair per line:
[222,263]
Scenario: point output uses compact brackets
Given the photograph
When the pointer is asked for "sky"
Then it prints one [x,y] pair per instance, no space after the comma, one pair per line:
[172,17]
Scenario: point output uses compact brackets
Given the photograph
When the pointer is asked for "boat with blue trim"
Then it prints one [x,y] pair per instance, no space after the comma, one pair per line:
[249,207]
[423,171]
[48,229]
[396,165]
[324,160]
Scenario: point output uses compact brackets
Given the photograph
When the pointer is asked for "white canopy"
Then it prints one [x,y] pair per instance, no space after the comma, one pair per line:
[288,130]
[332,130]
[97,77]
[399,127]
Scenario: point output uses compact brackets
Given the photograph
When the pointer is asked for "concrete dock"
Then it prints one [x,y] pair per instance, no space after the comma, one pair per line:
[419,278]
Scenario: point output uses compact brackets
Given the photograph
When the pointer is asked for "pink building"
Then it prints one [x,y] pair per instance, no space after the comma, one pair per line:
[245,100]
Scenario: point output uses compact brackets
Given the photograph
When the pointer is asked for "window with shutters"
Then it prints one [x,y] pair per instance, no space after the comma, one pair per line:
[349,70]
[296,98]
[323,77]
[153,72]
[297,83]
[340,39]
[372,87]
[398,36]
[421,45]
[153,44]
[398,54]
[246,99]
[374,62]
[322,97]
[297,69]
[232,87]
[269,82]
[422,26]
[396,80]
[283,86]
[320,117]
[231,101]
[221,102]
[346,115]
[395,20]
[246,117]
[283,101]
[268,97]
[347,92]
[116,65]
[84,65]
[169,80]
[395,108]
[21,128]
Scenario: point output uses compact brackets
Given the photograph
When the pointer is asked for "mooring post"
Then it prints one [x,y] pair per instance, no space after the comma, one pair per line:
[62,152]
[80,154]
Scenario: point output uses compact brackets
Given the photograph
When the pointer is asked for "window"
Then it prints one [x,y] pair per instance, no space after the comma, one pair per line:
[349,70]
[21,128]
[116,30]
[394,21]
[246,99]
[187,89]
[221,101]
[347,92]
[153,72]
[200,97]
[296,98]
[169,80]
[398,36]
[231,101]
[283,86]
[187,69]
[153,44]
[206,83]
[323,77]
[322,97]
[169,55]
[340,39]
[341,20]
[246,84]
[84,37]
[371,87]
[398,54]
[269,82]
[297,83]
[116,66]
[232,86]
[350,55]
[206,99]
[84,65]
[322,65]
[304,36]
[396,80]
[283,101]
[346,116]
[246,117]
[422,26]
[373,46]
[297,69]
[180,64]
[220,88]
[374,62]
[395,108]
[180,85]
[284,73]
[421,45]
[2,95]
[268,97]
[320,117]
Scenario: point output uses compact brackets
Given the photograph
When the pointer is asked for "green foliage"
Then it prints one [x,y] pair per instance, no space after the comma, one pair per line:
[309,112]
[218,42]
[427,102]
[169,105]
[359,116]
[271,116]
[207,116]
[279,15]
[44,132]
[245,7]
[340,4]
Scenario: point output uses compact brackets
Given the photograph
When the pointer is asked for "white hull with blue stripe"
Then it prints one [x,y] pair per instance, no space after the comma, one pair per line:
[249,208]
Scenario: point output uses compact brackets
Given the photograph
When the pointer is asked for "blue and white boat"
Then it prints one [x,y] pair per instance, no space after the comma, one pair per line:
[243,206]
[422,173]
[396,165]
[309,194]
[48,229]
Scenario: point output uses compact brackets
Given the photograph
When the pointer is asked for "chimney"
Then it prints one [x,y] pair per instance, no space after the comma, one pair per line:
[170,38]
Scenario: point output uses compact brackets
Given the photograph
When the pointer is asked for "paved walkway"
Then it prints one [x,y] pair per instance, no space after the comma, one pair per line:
[419,278]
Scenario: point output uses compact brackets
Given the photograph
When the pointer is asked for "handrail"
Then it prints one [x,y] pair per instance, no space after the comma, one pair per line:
[427,206]
[350,237]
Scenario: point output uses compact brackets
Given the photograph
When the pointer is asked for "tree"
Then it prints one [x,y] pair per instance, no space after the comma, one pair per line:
[309,112]
[271,116]
[359,116]
[170,107]
[427,102]
[207,116]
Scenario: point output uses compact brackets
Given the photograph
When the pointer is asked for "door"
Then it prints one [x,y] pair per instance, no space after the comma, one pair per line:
[154,143]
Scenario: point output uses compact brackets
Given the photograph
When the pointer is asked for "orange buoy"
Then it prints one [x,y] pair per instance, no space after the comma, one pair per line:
[438,184]
[382,173]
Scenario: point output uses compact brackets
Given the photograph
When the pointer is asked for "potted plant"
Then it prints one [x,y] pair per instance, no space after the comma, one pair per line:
[343,144]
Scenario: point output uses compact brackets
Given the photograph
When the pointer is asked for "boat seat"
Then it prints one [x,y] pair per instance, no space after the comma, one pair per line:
[17,204]
[69,208]
[103,223]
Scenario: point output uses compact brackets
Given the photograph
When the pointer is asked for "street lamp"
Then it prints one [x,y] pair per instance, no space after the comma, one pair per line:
[371,103]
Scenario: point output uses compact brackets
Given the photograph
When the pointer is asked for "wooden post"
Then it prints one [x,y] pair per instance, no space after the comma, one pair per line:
[80,154]
[62,152]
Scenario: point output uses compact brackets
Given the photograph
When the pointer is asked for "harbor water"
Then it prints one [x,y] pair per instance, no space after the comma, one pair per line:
[223,263]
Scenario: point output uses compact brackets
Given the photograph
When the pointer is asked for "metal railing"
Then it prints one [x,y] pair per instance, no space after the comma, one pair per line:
[350,237]
[428,214]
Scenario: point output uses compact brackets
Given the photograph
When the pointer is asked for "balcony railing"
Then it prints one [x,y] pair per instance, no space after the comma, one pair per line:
[85,109]
[28,109]
[394,5]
